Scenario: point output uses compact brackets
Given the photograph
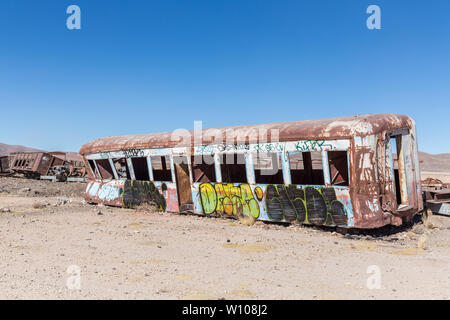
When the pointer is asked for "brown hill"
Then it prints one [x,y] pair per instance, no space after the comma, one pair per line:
[6,149]
[434,162]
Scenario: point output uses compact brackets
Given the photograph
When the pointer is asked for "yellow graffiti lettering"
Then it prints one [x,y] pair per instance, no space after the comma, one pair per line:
[228,198]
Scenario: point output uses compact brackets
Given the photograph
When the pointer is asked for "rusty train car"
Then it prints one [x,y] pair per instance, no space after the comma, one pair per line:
[4,164]
[350,172]
[38,164]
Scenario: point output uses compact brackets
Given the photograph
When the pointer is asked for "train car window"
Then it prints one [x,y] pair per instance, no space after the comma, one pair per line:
[338,164]
[161,168]
[121,166]
[232,166]
[306,168]
[268,168]
[202,170]
[105,169]
[140,168]
[317,168]
[92,166]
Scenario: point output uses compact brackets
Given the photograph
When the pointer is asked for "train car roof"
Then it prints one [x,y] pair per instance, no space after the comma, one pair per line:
[327,129]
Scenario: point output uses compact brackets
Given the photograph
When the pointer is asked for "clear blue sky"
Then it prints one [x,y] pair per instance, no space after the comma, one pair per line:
[150,66]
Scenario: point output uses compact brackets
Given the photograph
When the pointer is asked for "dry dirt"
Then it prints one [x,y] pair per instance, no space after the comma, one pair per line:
[129,254]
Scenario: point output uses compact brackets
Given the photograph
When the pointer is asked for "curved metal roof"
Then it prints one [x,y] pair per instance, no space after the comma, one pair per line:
[333,128]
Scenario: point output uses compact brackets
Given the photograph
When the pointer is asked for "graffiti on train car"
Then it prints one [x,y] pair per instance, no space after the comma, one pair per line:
[270,147]
[306,205]
[133,153]
[303,204]
[228,198]
[232,147]
[137,192]
[313,145]
[301,145]
[128,193]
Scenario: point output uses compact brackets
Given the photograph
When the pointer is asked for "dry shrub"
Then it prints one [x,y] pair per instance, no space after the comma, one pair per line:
[427,220]
[247,220]
[39,205]
[423,242]
[147,208]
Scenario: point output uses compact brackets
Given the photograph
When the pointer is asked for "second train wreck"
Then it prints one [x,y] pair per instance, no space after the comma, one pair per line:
[59,166]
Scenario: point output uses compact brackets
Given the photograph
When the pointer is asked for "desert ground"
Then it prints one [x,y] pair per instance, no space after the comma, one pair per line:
[48,231]
[443,176]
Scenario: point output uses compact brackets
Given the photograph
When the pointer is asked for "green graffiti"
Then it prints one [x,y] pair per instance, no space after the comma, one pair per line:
[311,145]
[228,199]
[137,192]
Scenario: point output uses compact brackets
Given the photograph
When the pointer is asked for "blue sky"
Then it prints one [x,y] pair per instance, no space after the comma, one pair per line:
[150,66]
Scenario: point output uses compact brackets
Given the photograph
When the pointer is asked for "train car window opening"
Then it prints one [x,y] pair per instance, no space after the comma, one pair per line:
[121,166]
[267,167]
[92,167]
[306,168]
[338,164]
[232,167]
[106,172]
[140,168]
[399,169]
[317,168]
[203,171]
[161,168]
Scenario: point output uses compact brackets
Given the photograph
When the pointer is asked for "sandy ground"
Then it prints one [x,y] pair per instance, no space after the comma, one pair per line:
[128,254]
[443,176]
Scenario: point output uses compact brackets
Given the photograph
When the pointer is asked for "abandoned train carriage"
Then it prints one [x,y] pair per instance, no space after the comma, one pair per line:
[355,172]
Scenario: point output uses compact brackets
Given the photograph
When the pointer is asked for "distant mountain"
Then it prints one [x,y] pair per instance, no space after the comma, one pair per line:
[6,149]
[434,162]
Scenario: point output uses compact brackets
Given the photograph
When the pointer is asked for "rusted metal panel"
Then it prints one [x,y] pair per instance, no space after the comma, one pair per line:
[438,199]
[31,163]
[335,128]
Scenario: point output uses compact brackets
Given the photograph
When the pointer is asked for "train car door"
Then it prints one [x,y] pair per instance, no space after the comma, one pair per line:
[403,169]
[183,183]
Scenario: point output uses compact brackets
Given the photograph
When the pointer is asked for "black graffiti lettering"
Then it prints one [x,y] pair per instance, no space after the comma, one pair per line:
[232,147]
[137,192]
[133,153]
[285,202]
[315,206]
[273,204]
[335,207]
